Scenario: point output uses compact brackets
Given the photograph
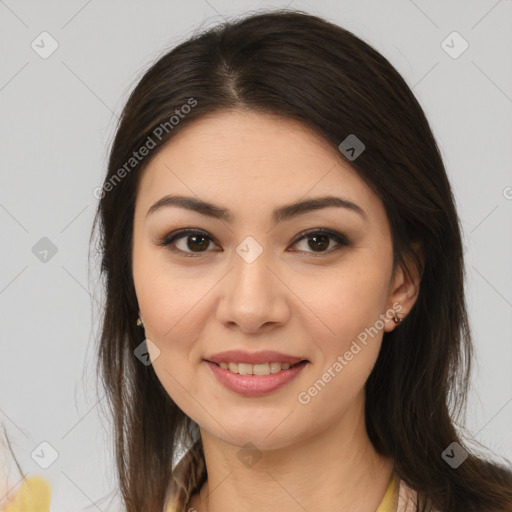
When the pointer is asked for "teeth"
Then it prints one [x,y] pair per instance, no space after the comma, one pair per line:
[255,369]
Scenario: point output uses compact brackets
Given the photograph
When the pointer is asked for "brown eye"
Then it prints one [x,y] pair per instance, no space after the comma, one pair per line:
[194,242]
[199,242]
[318,241]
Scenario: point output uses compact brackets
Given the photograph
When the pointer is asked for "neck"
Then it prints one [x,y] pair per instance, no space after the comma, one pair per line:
[333,469]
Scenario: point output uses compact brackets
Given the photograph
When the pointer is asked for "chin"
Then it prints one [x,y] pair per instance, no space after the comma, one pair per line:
[262,436]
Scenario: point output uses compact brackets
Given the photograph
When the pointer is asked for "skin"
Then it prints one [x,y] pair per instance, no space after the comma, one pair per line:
[293,299]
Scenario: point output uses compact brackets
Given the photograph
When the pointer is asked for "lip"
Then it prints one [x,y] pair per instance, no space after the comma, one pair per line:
[265,356]
[256,385]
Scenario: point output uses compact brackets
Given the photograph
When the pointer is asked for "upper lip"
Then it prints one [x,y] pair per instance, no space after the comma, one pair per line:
[265,356]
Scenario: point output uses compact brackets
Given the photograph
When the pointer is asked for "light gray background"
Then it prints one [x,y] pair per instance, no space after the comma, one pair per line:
[58,118]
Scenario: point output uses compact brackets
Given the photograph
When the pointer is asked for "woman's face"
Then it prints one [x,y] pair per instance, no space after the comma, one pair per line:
[248,282]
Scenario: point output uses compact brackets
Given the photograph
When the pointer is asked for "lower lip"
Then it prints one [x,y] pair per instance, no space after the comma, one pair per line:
[255,385]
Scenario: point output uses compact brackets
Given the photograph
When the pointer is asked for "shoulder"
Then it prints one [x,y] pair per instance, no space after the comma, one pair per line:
[408,498]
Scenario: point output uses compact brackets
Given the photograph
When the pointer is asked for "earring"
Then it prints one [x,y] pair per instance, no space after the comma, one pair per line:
[396,318]
[139,322]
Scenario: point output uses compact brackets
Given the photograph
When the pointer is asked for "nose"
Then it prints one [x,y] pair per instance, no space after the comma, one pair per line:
[254,297]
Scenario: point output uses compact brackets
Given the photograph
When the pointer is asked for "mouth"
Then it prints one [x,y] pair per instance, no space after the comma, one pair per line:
[261,369]
[256,380]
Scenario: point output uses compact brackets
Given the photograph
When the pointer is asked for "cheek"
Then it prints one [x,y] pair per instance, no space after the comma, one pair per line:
[350,334]
[166,299]
[347,358]
[173,315]
[173,321]
[351,301]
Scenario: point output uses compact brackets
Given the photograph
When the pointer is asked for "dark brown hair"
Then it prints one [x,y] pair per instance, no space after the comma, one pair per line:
[304,68]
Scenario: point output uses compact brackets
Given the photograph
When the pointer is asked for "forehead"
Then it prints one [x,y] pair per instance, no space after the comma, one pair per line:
[238,135]
[251,158]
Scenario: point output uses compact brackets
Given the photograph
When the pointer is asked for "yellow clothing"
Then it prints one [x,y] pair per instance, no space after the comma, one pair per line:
[388,504]
[33,496]
[390,501]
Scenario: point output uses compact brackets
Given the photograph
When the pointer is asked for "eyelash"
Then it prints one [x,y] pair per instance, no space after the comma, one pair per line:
[339,238]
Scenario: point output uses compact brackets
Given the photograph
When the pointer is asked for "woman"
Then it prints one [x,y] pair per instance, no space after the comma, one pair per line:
[206,250]
[276,205]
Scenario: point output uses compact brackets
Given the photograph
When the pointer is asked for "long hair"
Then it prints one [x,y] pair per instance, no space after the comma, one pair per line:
[304,68]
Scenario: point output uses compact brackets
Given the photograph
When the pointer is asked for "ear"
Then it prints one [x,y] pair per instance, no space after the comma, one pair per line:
[404,289]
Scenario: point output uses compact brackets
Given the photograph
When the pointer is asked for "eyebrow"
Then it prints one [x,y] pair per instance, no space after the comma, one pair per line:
[280,214]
